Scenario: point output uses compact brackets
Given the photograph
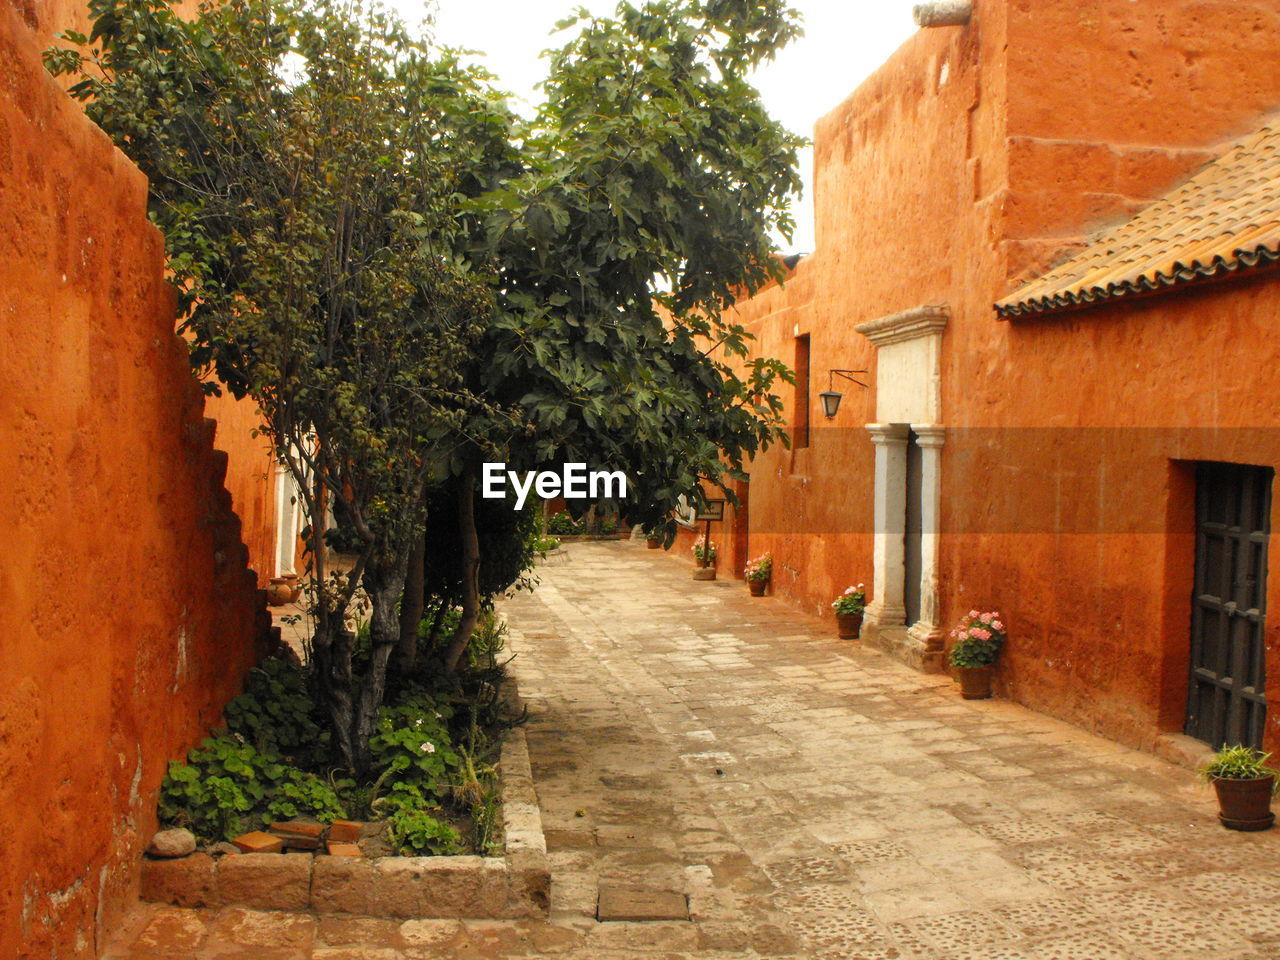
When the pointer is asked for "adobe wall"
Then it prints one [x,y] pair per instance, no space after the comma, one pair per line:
[973,157]
[1078,518]
[908,178]
[127,614]
[1112,102]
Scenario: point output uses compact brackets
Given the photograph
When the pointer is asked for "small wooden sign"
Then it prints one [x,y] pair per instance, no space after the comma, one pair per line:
[712,510]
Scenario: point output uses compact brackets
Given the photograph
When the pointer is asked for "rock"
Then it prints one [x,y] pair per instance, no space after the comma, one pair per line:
[175,842]
[185,882]
[265,881]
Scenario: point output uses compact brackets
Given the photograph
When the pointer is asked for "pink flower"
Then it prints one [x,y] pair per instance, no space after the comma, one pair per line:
[973,614]
[986,618]
[997,625]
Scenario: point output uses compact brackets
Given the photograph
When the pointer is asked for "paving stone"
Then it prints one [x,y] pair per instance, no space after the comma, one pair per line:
[628,903]
[863,811]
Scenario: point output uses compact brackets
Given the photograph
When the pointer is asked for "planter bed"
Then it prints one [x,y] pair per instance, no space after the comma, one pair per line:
[515,885]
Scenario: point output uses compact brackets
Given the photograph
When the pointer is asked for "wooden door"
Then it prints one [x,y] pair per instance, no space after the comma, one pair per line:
[1226,702]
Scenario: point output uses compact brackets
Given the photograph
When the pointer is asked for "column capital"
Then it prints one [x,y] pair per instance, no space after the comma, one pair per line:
[888,432]
[929,434]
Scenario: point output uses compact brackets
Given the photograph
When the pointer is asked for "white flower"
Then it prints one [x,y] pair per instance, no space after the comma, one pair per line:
[428,747]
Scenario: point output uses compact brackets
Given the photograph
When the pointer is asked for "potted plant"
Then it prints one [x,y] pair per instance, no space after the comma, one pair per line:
[848,607]
[1244,784]
[758,573]
[977,643]
[704,553]
[653,541]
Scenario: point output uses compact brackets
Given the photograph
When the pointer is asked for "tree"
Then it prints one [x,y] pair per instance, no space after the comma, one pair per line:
[408,281]
[297,174]
[651,181]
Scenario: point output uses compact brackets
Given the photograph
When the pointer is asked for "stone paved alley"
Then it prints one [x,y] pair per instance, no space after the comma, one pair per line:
[811,799]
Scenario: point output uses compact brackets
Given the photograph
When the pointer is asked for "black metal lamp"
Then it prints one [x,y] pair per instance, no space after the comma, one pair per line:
[830,397]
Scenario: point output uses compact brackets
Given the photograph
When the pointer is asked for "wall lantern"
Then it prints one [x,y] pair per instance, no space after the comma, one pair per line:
[830,397]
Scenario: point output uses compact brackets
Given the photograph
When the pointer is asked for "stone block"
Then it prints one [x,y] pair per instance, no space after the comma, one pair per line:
[343,849]
[259,842]
[186,882]
[298,834]
[343,885]
[426,886]
[265,881]
[345,831]
[619,902]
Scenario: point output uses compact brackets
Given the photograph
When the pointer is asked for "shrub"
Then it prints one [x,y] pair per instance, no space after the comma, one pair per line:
[761,568]
[853,600]
[978,640]
[563,525]
[277,714]
[227,787]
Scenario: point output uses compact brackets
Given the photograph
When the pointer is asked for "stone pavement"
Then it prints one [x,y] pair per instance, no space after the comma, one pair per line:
[699,751]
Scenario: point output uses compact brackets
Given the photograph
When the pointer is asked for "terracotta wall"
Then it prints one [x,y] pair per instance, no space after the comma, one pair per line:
[974,157]
[127,614]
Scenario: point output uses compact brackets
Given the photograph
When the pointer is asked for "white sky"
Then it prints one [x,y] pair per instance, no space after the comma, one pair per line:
[844,41]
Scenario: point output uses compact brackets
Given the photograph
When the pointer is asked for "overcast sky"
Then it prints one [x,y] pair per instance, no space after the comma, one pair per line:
[844,41]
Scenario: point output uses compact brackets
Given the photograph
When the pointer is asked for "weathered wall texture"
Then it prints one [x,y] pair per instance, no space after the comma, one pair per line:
[974,157]
[127,614]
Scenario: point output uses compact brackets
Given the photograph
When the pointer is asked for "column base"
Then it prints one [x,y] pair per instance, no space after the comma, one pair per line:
[919,646]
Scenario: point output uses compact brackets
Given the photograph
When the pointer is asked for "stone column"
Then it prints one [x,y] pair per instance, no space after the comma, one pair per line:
[925,638]
[886,608]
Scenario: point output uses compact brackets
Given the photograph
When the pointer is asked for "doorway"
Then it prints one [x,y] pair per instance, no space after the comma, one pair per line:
[913,530]
[1226,700]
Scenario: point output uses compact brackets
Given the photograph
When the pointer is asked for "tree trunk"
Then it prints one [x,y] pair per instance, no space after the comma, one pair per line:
[332,652]
[411,607]
[384,584]
[470,573]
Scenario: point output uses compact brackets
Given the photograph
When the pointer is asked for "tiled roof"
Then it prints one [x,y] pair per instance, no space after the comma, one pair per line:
[1224,220]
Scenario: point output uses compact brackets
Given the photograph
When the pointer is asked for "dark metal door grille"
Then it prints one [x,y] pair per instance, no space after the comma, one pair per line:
[1227,702]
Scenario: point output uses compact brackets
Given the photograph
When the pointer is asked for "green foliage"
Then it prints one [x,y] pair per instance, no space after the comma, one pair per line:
[853,600]
[227,787]
[563,524]
[1238,763]
[277,714]
[417,833]
[977,640]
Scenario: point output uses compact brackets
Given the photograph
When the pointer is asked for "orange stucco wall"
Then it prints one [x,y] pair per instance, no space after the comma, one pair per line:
[127,614]
[973,158]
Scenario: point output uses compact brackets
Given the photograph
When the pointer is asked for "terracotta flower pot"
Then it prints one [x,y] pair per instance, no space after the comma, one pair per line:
[757,587]
[653,543]
[704,573]
[849,625]
[279,592]
[975,682]
[295,587]
[1245,804]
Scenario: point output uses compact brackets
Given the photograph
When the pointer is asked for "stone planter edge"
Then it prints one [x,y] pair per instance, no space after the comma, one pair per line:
[514,886]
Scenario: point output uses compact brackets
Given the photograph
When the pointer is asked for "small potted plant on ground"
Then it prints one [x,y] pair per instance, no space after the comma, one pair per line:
[704,553]
[1244,784]
[848,607]
[652,541]
[977,644]
[758,573]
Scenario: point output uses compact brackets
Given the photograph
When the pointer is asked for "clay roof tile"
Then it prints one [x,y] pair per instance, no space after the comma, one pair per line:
[1223,220]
